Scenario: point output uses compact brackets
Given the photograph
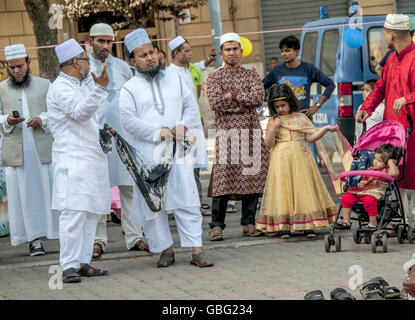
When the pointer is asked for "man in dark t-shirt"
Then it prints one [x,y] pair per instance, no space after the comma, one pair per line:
[299,76]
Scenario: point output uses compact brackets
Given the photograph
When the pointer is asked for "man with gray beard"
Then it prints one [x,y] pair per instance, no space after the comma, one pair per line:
[26,156]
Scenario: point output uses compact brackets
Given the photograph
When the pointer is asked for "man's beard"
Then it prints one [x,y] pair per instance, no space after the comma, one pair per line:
[19,82]
[100,55]
[151,72]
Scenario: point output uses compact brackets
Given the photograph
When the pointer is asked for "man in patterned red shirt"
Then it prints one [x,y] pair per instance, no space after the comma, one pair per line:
[240,170]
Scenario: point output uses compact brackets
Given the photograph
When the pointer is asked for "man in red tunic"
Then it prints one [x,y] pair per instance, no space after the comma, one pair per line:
[397,86]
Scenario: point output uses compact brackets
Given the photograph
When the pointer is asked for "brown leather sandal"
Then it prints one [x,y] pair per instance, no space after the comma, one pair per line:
[140,246]
[97,251]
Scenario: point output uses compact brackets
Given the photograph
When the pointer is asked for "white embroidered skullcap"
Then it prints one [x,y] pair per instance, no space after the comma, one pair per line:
[229,37]
[15,51]
[176,42]
[135,39]
[101,29]
[68,50]
[397,22]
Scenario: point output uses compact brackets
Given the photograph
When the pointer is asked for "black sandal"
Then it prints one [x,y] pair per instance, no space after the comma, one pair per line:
[84,271]
[343,225]
[341,294]
[314,295]
[70,276]
[391,292]
[374,289]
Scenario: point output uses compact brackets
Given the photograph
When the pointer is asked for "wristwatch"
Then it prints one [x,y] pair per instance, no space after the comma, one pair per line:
[318,105]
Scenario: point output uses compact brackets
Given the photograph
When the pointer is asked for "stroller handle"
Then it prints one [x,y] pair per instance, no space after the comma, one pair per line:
[369,173]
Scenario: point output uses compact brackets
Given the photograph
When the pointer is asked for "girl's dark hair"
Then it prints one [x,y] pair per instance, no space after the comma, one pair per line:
[281,92]
[388,151]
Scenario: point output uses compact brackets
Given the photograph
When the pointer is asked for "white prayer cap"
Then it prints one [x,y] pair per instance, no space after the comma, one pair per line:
[68,50]
[101,29]
[230,37]
[397,22]
[15,51]
[136,38]
[176,42]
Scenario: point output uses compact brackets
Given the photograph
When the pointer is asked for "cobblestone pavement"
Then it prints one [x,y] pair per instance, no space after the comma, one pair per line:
[268,268]
[245,268]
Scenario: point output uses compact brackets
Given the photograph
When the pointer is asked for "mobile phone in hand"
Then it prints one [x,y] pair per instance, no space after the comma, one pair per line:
[16,114]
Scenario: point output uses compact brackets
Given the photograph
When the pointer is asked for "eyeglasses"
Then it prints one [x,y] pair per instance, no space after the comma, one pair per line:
[86,59]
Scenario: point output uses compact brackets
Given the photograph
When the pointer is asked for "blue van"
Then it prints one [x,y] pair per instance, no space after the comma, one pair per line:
[323,44]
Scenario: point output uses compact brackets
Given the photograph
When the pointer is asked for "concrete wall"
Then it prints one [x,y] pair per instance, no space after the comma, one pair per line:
[16,27]
[373,7]
[237,16]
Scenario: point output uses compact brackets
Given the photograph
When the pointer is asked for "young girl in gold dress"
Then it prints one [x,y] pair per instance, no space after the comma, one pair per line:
[295,198]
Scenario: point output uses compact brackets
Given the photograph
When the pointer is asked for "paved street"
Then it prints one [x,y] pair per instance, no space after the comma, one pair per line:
[245,268]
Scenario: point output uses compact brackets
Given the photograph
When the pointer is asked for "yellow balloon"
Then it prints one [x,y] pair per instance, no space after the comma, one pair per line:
[247,46]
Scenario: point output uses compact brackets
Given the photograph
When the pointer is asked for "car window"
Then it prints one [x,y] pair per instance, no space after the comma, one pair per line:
[377,46]
[329,52]
[309,47]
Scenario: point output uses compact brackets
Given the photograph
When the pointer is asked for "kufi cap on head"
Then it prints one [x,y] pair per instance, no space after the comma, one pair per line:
[68,50]
[135,39]
[230,37]
[15,51]
[176,42]
[101,29]
[397,22]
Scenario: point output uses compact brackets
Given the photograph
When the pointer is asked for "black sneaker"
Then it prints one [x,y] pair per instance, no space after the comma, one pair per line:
[310,234]
[36,248]
[285,235]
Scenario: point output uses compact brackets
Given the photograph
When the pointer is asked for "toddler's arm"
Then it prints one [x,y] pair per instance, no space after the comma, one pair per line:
[313,137]
[393,169]
[272,128]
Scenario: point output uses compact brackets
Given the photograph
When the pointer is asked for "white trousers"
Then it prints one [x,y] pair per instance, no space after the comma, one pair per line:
[189,225]
[76,236]
[133,232]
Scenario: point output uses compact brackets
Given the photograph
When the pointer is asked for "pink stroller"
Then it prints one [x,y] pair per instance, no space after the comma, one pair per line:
[391,215]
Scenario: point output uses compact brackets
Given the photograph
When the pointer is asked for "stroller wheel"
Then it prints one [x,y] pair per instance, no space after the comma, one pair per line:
[400,235]
[337,242]
[385,242]
[356,237]
[327,242]
[373,242]
[411,234]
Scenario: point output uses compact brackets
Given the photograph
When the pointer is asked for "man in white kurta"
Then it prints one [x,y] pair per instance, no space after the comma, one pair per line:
[182,56]
[154,106]
[119,72]
[27,153]
[81,189]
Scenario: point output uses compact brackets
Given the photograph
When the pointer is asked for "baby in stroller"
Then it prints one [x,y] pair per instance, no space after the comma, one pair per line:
[371,188]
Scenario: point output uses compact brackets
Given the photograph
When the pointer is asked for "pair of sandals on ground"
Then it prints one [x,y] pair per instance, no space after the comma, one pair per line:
[72,275]
[204,209]
[375,289]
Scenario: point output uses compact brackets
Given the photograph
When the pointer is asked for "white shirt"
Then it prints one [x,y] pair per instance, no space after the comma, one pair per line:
[147,105]
[81,180]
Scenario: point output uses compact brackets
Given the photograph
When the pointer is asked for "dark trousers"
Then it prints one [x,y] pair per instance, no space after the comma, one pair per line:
[219,204]
[198,183]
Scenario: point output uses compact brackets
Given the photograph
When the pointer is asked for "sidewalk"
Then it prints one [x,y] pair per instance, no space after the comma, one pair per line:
[245,268]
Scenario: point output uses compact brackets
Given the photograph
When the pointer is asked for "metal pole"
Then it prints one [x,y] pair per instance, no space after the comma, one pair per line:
[216,25]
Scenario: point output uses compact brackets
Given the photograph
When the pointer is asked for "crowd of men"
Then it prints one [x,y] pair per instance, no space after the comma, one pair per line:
[58,176]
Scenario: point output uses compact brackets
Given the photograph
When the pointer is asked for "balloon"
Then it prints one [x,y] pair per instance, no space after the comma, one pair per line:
[247,46]
[354,38]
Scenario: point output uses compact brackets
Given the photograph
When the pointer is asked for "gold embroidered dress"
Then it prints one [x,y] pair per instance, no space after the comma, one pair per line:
[295,196]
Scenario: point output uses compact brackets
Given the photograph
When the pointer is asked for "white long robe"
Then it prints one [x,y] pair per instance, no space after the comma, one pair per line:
[145,107]
[29,189]
[201,159]
[81,181]
[119,73]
